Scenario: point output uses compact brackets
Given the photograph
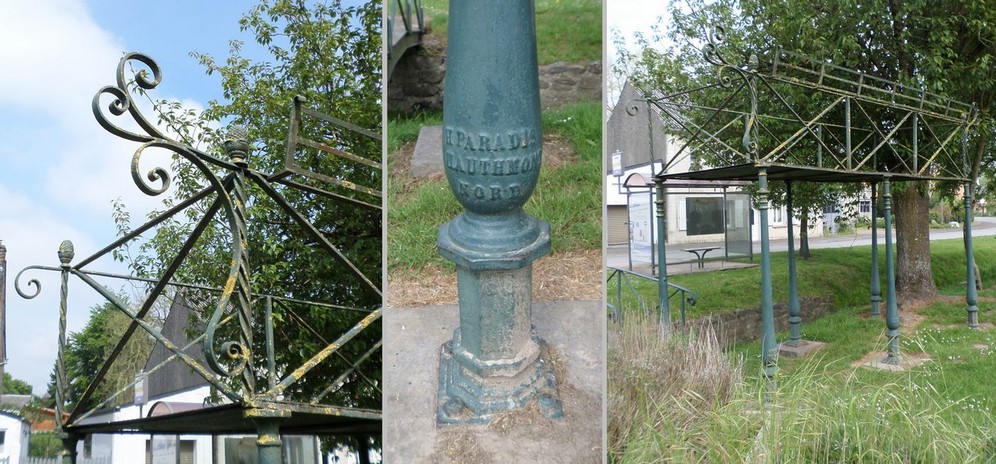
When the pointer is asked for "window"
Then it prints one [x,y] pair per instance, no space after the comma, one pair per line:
[3,441]
[777,214]
[866,206]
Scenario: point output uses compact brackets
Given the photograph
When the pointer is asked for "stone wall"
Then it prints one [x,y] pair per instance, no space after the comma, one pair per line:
[745,325]
[564,83]
[417,81]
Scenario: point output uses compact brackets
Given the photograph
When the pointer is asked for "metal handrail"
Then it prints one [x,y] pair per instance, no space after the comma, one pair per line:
[623,277]
[412,16]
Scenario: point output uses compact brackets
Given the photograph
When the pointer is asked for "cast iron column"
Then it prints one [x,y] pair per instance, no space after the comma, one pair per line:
[268,444]
[795,319]
[971,294]
[891,310]
[876,285]
[69,443]
[492,151]
[66,254]
[662,290]
[769,349]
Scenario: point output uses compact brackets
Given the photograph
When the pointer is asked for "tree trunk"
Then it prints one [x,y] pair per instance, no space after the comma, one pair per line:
[914,280]
[804,236]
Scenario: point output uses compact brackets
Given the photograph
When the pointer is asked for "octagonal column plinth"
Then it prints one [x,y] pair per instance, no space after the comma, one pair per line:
[492,153]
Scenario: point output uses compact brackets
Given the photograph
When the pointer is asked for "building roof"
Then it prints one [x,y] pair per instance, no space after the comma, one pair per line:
[174,376]
[785,172]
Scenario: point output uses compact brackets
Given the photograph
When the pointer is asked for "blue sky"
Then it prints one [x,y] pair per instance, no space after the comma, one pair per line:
[59,170]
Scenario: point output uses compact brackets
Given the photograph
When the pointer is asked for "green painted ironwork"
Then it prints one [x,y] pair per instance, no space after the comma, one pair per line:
[971,294]
[405,26]
[769,347]
[840,123]
[492,153]
[891,308]
[621,284]
[259,383]
[851,96]
[876,284]
[662,283]
[795,318]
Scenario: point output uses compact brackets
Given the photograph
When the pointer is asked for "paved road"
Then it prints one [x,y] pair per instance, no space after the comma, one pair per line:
[617,255]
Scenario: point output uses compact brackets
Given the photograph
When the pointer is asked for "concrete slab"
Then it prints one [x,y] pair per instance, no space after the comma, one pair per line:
[875,360]
[575,330]
[803,349]
[427,160]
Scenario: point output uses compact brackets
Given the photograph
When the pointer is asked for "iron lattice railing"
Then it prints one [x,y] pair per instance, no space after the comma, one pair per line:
[227,353]
[405,26]
[792,110]
[631,292]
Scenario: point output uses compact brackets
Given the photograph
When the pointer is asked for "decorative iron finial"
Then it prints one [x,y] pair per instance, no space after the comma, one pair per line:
[66,252]
[237,145]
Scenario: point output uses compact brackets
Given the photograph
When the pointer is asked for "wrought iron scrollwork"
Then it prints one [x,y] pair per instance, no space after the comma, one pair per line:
[122,102]
[31,283]
[229,364]
[234,356]
[711,53]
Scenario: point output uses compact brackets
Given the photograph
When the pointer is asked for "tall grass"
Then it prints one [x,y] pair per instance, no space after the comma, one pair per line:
[815,415]
[660,382]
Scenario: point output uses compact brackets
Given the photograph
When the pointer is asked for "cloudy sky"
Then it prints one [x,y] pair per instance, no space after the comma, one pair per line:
[59,170]
[627,17]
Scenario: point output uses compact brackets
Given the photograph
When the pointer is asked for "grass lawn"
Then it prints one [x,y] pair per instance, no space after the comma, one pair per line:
[825,409]
[842,273]
[566,30]
[568,196]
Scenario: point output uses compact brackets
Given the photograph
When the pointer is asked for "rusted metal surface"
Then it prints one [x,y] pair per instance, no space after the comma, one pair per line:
[242,370]
[491,118]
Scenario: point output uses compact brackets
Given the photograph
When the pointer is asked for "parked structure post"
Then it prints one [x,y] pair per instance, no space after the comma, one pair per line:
[795,318]
[66,254]
[662,292]
[891,308]
[971,294]
[769,349]
[876,285]
[492,152]
[269,447]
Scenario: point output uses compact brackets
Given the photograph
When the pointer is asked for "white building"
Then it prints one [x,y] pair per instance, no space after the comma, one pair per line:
[175,388]
[15,434]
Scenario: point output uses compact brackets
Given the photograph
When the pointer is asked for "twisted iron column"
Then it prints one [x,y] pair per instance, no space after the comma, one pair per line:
[238,149]
[66,254]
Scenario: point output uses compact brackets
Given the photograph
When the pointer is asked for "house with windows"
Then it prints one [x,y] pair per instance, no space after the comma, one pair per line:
[174,388]
[696,212]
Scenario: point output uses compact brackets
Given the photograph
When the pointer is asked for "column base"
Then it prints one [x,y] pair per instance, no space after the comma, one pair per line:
[465,396]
